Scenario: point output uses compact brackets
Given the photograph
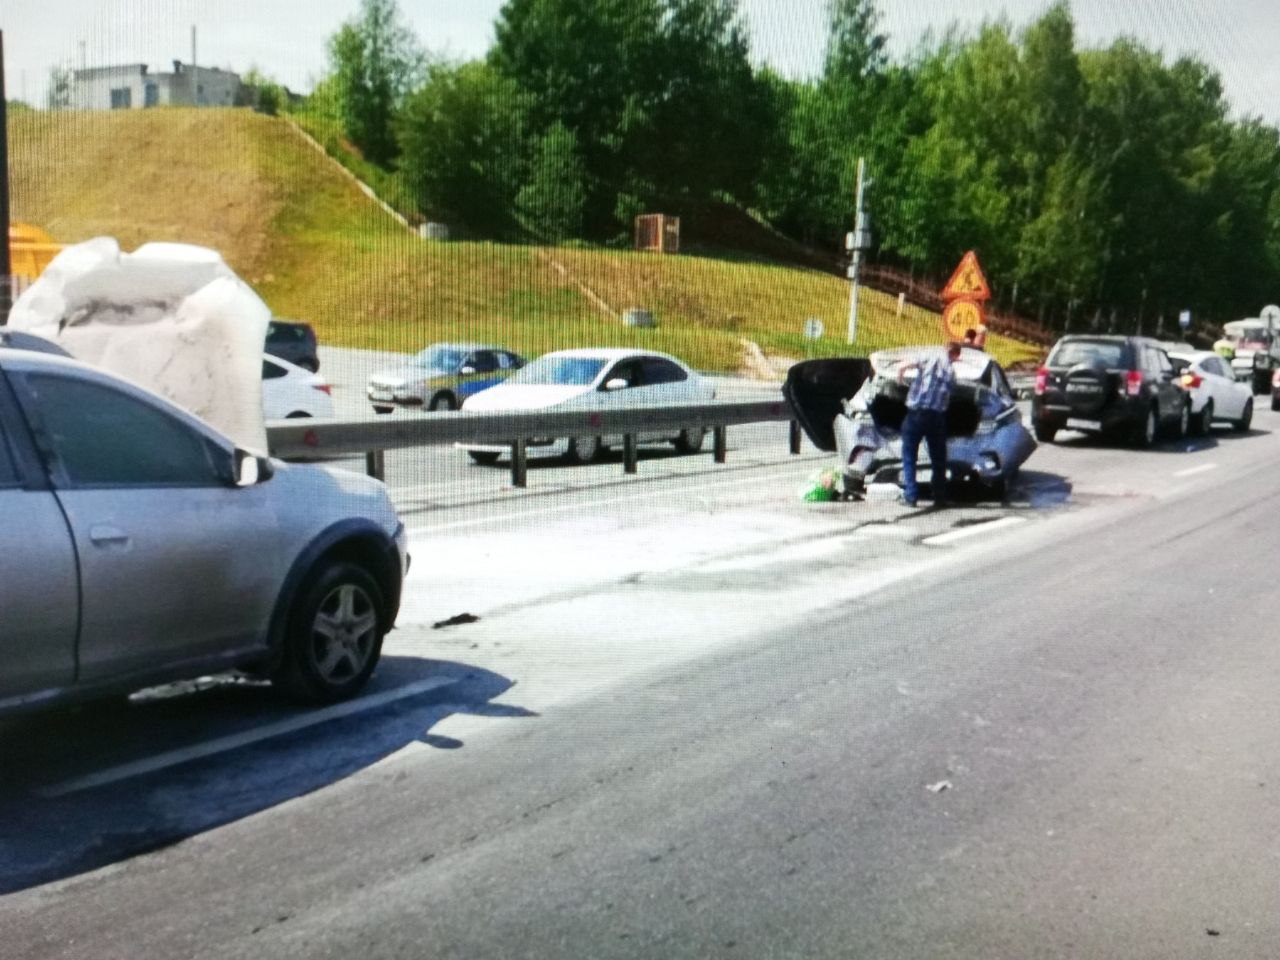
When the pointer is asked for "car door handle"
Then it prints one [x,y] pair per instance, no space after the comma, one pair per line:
[103,534]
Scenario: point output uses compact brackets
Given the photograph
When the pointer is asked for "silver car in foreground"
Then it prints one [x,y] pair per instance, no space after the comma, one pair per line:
[856,407]
[141,546]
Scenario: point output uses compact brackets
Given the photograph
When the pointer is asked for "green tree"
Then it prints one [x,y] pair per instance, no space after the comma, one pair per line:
[551,205]
[463,139]
[376,61]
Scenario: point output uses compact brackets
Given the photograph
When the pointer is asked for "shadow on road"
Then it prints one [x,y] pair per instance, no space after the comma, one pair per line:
[89,787]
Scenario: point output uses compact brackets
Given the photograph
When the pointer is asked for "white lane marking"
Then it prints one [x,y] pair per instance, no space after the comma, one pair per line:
[1192,471]
[977,530]
[172,758]
[592,505]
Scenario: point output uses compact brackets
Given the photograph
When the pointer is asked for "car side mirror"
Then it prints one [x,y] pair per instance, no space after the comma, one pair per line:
[467,370]
[252,470]
[617,383]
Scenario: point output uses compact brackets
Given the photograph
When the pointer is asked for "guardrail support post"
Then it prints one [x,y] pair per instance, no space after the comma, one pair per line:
[795,437]
[375,464]
[630,455]
[519,464]
[720,435]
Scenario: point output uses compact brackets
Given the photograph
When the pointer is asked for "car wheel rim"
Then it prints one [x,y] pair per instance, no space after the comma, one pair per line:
[440,403]
[343,633]
[1150,433]
[1185,421]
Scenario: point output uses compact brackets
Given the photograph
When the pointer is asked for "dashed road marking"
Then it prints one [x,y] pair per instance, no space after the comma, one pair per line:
[977,530]
[209,748]
[1192,471]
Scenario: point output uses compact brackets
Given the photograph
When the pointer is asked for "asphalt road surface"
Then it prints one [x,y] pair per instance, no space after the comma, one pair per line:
[691,716]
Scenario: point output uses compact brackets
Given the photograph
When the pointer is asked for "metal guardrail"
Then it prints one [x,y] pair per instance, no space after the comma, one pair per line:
[333,438]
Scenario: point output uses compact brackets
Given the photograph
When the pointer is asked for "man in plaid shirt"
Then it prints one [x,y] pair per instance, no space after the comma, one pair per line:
[927,420]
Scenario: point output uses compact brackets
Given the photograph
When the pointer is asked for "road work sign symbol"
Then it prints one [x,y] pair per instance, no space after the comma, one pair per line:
[960,317]
[968,282]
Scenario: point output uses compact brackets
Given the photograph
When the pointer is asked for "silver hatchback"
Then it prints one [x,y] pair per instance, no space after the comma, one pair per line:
[138,545]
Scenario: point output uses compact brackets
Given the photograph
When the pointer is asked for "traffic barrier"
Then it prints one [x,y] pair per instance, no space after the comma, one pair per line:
[306,439]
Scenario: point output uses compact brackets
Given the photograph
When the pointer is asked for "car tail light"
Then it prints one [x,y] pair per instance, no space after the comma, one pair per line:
[323,388]
[1042,381]
[1133,383]
[1191,380]
[1275,379]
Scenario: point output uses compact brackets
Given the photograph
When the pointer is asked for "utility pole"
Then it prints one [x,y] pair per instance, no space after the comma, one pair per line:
[6,267]
[856,242]
[195,77]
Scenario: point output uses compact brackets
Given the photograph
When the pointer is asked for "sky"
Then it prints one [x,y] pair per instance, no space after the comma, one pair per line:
[286,38]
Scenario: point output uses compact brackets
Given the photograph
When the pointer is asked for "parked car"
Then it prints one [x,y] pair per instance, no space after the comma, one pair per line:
[153,549]
[288,391]
[293,341]
[987,440]
[594,379]
[442,376]
[1113,385]
[1216,395]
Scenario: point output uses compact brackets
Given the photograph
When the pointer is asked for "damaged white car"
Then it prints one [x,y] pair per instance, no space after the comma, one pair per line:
[856,406]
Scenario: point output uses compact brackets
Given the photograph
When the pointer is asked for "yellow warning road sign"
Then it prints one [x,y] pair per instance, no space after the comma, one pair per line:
[968,282]
[962,316]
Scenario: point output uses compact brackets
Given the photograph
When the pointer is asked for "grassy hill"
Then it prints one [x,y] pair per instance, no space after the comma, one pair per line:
[298,229]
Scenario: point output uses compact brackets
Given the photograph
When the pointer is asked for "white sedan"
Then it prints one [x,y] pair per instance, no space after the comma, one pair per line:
[289,391]
[1216,395]
[593,379]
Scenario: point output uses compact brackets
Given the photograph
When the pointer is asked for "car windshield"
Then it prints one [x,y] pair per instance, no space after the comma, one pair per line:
[440,358]
[1075,352]
[562,371]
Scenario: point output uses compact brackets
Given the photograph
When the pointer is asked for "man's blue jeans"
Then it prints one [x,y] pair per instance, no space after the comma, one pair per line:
[930,426]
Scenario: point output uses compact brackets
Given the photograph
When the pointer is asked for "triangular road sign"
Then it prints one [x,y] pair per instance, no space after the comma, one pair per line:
[968,282]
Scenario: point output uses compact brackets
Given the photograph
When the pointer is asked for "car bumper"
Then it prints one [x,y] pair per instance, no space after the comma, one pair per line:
[1118,414]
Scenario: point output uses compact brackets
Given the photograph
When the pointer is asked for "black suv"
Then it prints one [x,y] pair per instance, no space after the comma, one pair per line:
[295,342]
[1119,386]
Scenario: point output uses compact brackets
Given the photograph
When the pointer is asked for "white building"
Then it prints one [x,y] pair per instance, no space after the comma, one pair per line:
[131,86]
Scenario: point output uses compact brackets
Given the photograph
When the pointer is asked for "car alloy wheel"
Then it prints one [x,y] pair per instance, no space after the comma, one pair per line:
[1242,425]
[344,631]
[582,449]
[334,634]
[1184,420]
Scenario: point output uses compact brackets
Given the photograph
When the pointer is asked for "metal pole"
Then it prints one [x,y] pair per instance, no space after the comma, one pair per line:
[195,85]
[6,267]
[859,221]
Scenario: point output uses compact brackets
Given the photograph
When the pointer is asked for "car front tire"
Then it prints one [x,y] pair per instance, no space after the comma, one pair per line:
[582,450]
[690,441]
[486,458]
[1045,432]
[334,634]
[443,402]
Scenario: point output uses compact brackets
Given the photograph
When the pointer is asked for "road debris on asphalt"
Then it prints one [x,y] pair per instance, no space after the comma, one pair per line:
[939,787]
[457,621]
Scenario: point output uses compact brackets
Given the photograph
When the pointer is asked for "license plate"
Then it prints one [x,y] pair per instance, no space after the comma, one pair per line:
[380,395]
[1083,388]
[1076,424]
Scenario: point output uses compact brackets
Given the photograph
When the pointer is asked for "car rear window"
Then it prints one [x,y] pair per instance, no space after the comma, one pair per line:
[1088,351]
[285,333]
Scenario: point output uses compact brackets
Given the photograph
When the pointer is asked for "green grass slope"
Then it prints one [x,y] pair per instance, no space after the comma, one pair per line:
[293,224]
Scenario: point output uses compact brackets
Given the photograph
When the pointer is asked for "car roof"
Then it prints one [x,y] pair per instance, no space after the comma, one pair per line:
[1191,356]
[611,353]
[462,345]
[19,358]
